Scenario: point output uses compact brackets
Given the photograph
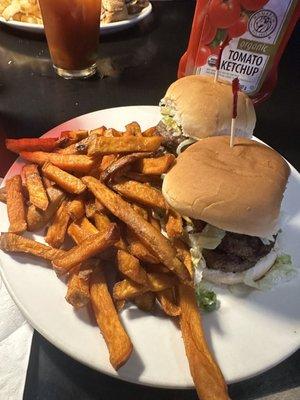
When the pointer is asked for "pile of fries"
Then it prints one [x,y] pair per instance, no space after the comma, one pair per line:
[21,10]
[102,189]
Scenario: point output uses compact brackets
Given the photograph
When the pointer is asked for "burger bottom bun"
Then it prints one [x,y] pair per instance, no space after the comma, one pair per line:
[232,278]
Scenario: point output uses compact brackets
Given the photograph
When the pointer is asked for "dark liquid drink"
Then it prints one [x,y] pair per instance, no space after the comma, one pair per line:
[72,31]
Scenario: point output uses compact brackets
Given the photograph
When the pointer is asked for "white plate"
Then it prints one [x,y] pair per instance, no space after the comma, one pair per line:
[105,28]
[248,335]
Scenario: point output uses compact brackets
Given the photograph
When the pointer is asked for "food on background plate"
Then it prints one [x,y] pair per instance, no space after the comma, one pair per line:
[113,10]
[136,6]
[195,107]
[116,222]
[230,199]
[29,10]
[120,10]
[21,10]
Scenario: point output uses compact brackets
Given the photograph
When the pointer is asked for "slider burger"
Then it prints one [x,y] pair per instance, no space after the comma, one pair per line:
[230,198]
[195,107]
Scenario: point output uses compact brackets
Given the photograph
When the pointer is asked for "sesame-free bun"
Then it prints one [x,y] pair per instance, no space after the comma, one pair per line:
[204,108]
[238,189]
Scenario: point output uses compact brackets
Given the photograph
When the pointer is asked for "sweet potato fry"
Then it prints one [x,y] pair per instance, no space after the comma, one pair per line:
[120,164]
[153,239]
[3,194]
[109,145]
[102,221]
[66,181]
[140,193]
[127,289]
[111,132]
[72,149]
[47,183]
[141,210]
[160,281]
[37,219]
[19,244]
[16,205]
[145,301]
[90,208]
[74,136]
[133,129]
[81,229]
[36,191]
[115,336]
[99,206]
[76,208]
[154,180]
[156,268]
[98,131]
[57,230]
[155,223]
[78,292]
[119,304]
[150,132]
[208,379]
[31,144]
[167,302]
[183,253]
[138,249]
[91,246]
[130,266]
[155,165]
[174,226]
[67,162]
[87,226]
[106,161]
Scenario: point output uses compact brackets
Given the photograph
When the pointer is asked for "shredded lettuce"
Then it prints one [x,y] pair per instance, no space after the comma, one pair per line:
[169,117]
[209,238]
[171,125]
[206,298]
[267,240]
[281,271]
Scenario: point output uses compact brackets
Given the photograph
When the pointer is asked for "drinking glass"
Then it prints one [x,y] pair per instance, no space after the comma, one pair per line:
[72,32]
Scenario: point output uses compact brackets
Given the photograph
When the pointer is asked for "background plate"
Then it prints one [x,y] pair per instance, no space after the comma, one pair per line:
[104,29]
[248,335]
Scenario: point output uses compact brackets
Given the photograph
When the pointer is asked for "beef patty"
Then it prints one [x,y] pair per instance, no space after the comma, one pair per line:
[236,253]
[170,142]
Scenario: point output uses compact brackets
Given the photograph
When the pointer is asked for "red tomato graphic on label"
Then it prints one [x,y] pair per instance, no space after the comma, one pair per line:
[239,27]
[208,31]
[224,13]
[253,5]
[203,53]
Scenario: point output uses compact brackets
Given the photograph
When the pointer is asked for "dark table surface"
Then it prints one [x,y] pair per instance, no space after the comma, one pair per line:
[138,66]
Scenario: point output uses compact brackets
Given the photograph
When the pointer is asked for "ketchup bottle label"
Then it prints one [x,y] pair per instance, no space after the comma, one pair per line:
[255,29]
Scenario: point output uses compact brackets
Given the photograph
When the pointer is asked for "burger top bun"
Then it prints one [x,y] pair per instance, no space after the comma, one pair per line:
[204,108]
[238,189]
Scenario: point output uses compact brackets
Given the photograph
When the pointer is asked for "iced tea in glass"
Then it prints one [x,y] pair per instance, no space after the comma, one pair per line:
[72,31]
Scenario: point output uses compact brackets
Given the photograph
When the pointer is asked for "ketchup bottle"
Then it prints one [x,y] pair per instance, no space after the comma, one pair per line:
[256,33]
